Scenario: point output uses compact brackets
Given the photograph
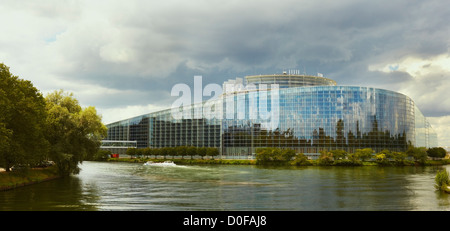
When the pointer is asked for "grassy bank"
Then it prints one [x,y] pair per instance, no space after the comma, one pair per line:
[282,163]
[11,180]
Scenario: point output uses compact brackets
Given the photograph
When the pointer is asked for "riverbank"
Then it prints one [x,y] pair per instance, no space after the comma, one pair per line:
[186,161]
[14,179]
[287,163]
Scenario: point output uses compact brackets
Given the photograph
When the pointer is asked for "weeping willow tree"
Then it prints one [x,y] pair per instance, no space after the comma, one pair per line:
[74,133]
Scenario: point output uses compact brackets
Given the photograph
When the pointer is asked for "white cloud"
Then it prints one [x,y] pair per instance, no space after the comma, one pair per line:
[110,115]
[441,125]
[429,84]
[416,66]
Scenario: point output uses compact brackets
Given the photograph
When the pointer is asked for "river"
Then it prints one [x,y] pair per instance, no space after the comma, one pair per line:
[105,186]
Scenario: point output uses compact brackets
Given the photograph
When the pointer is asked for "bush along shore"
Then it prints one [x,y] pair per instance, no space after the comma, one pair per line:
[288,157]
[442,180]
[24,177]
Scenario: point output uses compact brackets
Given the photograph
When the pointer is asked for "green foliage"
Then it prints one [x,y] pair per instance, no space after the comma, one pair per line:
[147,152]
[339,154]
[202,151]
[418,153]
[436,152]
[300,160]
[156,152]
[101,155]
[382,159]
[286,154]
[326,158]
[171,152]
[364,154]
[442,180]
[192,151]
[74,133]
[212,152]
[22,122]
[139,152]
[399,157]
[181,151]
[131,151]
[347,162]
[164,152]
[265,155]
[34,128]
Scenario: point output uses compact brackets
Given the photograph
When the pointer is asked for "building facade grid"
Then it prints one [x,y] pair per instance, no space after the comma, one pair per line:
[308,119]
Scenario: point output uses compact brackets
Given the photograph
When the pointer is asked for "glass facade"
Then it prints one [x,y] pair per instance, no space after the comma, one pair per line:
[305,118]
[289,80]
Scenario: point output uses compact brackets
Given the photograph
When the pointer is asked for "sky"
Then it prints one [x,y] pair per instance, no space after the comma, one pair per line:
[124,57]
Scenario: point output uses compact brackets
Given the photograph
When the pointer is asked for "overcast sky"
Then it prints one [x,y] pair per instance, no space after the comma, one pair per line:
[124,57]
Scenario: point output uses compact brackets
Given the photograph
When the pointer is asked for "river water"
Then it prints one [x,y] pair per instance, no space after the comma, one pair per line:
[104,186]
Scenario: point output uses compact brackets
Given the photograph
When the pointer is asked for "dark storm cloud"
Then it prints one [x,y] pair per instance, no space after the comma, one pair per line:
[247,36]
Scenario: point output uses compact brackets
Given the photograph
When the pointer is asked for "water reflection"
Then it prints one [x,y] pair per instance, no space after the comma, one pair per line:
[129,186]
[56,195]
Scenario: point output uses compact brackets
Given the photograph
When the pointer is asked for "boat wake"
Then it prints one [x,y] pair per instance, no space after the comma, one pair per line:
[162,164]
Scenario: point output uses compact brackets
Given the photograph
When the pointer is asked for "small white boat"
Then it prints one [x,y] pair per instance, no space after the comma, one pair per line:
[148,163]
[165,163]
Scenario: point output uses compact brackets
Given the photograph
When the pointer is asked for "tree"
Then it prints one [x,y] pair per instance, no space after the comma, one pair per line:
[139,152]
[325,158]
[73,132]
[381,159]
[201,151]
[286,154]
[263,155]
[191,151]
[172,152]
[22,122]
[164,152]
[101,155]
[418,153]
[386,152]
[271,154]
[338,154]
[436,152]
[156,152]
[364,154]
[399,157]
[300,159]
[131,151]
[147,152]
[181,151]
[353,157]
[212,152]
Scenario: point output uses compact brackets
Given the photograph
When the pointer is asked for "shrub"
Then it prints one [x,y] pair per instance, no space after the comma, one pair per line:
[326,158]
[102,155]
[442,180]
[300,160]
[347,162]
[418,153]
[381,159]
[364,154]
[436,152]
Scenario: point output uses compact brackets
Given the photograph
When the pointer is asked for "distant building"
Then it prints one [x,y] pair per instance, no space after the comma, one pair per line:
[289,110]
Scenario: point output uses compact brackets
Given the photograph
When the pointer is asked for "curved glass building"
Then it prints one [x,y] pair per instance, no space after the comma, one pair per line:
[301,112]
